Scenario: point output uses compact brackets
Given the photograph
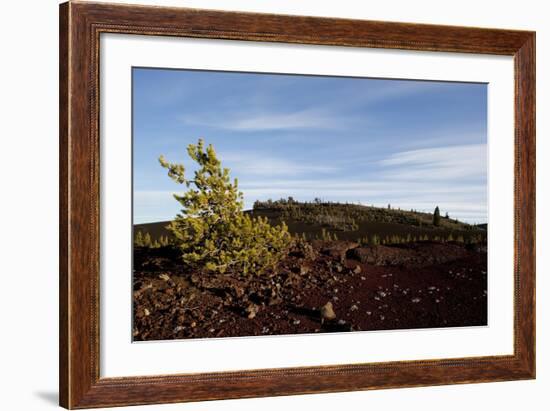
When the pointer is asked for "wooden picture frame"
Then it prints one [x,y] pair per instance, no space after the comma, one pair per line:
[80,27]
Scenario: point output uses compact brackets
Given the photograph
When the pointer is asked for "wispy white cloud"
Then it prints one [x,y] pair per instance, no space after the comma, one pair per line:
[264,120]
[254,163]
[392,90]
[440,163]
[443,137]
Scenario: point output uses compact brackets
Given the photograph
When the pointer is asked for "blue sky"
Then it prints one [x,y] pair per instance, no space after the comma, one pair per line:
[414,144]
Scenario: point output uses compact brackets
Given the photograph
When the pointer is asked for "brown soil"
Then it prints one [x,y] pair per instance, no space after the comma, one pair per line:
[417,285]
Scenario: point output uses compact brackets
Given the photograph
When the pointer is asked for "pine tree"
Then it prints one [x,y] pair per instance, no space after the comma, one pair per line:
[212,231]
[437,217]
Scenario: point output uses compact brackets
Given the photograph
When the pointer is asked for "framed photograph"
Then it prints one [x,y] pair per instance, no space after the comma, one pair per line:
[258,205]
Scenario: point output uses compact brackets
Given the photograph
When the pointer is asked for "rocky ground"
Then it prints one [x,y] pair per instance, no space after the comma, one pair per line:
[320,287]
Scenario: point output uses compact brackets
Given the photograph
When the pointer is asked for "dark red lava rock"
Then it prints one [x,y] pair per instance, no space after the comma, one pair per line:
[337,249]
[416,285]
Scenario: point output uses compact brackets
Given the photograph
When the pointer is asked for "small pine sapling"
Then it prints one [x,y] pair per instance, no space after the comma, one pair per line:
[147,240]
[138,241]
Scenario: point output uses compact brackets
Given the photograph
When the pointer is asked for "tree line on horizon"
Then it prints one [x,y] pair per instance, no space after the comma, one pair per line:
[347,216]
